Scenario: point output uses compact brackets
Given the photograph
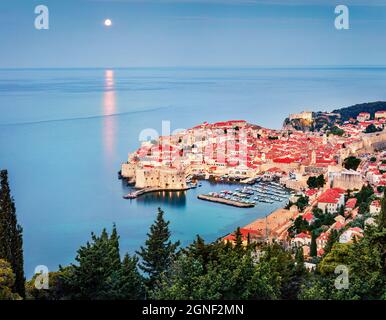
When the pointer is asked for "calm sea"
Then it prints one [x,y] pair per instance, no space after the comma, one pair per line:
[64,134]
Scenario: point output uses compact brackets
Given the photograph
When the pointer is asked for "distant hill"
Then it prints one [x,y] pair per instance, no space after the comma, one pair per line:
[353,111]
[322,119]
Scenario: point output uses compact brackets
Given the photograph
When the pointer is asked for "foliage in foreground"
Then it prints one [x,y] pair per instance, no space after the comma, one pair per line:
[11,235]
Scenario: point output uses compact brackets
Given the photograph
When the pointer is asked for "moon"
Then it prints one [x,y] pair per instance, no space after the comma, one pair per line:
[108,23]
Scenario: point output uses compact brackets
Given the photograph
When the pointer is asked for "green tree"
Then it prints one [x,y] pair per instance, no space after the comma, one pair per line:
[56,288]
[332,239]
[364,194]
[229,274]
[126,283]
[281,263]
[11,235]
[371,128]
[99,272]
[238,239]
[313,246]
[7,281]
[337,131]
[351,163]
[299,225]
[311,182]
[381,219]
[302,202]
[363,208]
[157,256]
[299,258]
[339,255]
[320,180]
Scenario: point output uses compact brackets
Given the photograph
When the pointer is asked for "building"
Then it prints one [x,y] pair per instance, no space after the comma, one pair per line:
[345,179]
[375,207]
[253,235]
[305,115]
[331,200]
[363,116]
[321,241]
[380,114]
[349,235]
[300,240]
[311,194]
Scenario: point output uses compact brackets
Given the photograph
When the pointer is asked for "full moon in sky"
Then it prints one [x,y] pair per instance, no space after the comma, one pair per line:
[108,23]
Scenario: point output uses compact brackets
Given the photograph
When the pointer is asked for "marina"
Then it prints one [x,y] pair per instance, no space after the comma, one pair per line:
[225,201]
[264,192]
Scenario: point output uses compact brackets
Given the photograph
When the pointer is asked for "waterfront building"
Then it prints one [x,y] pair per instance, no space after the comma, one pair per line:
[240,150]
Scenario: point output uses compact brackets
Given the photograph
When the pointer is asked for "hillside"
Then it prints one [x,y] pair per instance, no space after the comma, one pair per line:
[353,111]
[329,119]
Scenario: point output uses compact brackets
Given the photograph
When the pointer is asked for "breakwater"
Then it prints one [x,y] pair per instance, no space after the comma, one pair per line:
[225,201]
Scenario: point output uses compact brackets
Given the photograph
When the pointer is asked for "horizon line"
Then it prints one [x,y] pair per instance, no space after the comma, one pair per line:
[203,67]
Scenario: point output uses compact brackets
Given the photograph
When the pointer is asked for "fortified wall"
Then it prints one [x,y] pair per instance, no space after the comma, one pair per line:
[369,142]
[156,177]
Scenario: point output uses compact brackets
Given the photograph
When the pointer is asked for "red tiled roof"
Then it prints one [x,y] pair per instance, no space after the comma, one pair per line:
[302,235]
[308,216]
[311,192]
[331,195]
[244,234]
[351,203]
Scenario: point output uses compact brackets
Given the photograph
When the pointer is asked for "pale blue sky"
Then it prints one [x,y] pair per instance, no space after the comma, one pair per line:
[165,33]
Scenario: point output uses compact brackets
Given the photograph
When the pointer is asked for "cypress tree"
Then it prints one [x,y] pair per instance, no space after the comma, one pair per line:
[238,239]
[313,247]
[158,253]
[382,214]
[299,258]
[100,274]
[11,235]
[333,238]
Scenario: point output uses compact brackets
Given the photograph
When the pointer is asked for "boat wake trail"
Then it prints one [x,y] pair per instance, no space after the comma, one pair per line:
[84,118]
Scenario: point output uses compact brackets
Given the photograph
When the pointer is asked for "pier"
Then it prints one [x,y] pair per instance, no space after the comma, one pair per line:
[225,201]
[139,192]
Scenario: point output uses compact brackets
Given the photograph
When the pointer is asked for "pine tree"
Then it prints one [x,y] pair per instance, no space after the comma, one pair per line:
[11,239]
[126,283]
[97,262]
[157,256]
[199,250]
[99,273]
